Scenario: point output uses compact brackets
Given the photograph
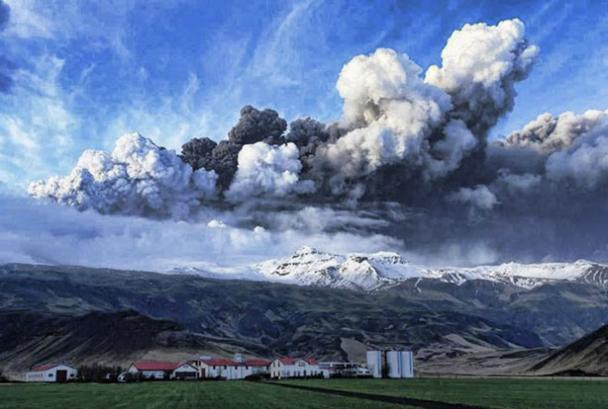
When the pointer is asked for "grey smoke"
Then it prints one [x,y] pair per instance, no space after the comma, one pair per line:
[409,159]
[253,126]
[257,126]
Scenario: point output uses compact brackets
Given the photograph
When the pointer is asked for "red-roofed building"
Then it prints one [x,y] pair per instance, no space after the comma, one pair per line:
[288,367]
[51,373]
[230,369]
[258,362]
[153,369]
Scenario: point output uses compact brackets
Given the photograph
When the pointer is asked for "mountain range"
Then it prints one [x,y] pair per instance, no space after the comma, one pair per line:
[313,303]
[382,270]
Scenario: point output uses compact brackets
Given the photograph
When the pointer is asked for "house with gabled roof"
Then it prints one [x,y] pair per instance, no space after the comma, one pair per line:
[51,373]
[230,369]
[185,370]
[153,369]
[288,367]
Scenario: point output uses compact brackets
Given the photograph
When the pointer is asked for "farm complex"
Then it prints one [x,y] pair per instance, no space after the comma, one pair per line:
[387,364]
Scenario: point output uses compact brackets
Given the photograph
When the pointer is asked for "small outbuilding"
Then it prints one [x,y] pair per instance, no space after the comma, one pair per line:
[184,371]
[51,373]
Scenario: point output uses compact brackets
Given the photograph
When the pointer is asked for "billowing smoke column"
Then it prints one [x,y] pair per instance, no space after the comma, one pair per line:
[479,67]
[266,170]
[138,177]
[253,126]
[399,128]
[410,151]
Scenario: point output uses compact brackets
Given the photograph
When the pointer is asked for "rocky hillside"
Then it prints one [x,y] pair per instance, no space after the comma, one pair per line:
[436,318]
[28,338]
[587,356]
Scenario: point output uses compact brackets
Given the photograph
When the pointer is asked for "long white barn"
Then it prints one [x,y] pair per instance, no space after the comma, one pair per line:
[51,373]
[294,368]
[230,369]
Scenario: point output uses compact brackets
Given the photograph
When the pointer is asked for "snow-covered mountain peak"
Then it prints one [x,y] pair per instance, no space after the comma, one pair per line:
[373,271]
[305,251]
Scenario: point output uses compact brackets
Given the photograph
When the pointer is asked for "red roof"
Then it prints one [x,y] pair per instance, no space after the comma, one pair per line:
[287,361]
[257,362]
[221,362]
[291,361]
[46,367]
[155,365]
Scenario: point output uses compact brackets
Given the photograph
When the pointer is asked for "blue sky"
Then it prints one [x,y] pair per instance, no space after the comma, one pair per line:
[86,72]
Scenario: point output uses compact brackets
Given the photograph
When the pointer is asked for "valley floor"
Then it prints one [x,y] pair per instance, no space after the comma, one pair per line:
[175,395]
[498,393]
[495,393]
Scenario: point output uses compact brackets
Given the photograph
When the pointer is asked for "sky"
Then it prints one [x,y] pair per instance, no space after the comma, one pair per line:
[86,72]
[434,146]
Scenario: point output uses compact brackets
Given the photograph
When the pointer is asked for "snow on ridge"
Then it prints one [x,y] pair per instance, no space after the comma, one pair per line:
[311,267]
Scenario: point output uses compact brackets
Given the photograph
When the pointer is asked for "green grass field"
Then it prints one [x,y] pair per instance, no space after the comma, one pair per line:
[174,395]
[489,393]
[492,393]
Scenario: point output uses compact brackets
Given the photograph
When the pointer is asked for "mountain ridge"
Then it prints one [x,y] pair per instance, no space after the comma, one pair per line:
[381,270]
[439,320]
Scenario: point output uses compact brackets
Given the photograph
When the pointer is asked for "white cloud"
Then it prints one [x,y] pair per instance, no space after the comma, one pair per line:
[52,234]
[138,177]
[266,170]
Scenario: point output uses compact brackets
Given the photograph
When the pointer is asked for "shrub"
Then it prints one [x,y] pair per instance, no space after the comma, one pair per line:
[257,377]
[98,373]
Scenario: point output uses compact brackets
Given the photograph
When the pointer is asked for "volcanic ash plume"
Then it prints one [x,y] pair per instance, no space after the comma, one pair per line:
[401,131]
[409,158]
[138,177]
[266,170]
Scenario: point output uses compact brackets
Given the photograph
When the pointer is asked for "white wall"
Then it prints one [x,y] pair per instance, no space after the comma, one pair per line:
[299,368]
[374,363]
[185,368]
[147,374]
[400,364]
[50,375]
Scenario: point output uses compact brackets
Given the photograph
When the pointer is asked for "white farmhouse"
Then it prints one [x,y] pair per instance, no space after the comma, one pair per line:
[184,371]
[51,373]
[294,367]
[230,369]
[152,369]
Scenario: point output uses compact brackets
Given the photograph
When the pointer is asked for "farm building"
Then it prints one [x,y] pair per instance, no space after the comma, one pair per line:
[391,364]
[343,369]
[400,364]
[153,369]
[294,367]
[230,368]
[184,371]
[374,363]
[51,373]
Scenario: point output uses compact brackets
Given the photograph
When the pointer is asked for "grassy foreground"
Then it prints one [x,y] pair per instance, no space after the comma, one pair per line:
[500,393]
[175,395]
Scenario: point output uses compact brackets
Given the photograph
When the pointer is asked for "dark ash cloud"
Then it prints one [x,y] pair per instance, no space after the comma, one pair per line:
[408,159]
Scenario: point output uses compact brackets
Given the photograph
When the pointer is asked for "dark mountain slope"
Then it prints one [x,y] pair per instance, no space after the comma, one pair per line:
[253,317]
[587,356]
[29,338]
